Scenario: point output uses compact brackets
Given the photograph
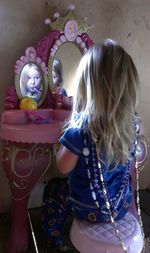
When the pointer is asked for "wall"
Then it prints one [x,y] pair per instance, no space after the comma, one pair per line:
[129,24]
[21,26]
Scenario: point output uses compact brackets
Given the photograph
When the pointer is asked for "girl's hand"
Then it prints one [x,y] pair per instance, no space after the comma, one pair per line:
[67,102]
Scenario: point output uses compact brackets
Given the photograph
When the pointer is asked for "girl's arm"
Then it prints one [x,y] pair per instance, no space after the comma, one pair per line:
[66,160]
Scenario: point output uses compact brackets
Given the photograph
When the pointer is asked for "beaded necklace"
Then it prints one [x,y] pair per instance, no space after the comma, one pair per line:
[139,167]
[97,162]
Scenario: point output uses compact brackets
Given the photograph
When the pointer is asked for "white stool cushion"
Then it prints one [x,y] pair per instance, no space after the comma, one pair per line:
[101,238]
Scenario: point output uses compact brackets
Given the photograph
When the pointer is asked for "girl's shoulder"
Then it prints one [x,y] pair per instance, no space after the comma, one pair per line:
[72,139]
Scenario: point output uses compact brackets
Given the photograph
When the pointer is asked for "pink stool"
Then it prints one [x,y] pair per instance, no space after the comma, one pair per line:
[101,238]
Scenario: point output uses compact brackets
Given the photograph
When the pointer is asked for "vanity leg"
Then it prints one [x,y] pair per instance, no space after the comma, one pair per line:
[17,241]
[24,164]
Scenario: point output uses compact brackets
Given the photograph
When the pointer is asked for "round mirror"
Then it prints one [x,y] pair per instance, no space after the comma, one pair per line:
[63,66]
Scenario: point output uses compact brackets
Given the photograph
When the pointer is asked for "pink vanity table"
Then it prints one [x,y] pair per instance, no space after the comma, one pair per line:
[27,143]
[26,157]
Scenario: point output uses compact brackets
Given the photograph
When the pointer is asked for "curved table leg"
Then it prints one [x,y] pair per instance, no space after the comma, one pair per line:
[24,165]
[18,234]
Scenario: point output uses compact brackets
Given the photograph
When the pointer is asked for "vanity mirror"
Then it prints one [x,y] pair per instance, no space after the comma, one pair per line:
[35,72]
[31,77]
[67,49]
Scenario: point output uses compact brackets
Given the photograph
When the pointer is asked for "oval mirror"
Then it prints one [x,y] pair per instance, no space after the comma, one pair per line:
[31,77]
[31,82]
[69,41]
[67,51]
[63,67]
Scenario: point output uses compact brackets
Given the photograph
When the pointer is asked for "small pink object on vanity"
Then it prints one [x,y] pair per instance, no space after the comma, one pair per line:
[32,126]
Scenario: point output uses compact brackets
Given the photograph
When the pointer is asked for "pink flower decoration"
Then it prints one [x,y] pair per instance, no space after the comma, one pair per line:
[38,60]
[30,53]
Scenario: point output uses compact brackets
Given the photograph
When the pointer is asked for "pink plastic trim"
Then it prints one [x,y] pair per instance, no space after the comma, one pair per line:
[16,127]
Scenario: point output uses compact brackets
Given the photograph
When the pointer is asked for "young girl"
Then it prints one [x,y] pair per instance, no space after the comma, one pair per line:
[31,81]
[98,144]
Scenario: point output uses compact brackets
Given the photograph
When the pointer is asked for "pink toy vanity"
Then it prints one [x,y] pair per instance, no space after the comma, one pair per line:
[26,157]
[28,135]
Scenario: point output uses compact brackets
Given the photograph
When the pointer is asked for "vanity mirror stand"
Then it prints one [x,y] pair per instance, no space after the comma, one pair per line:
[35,110]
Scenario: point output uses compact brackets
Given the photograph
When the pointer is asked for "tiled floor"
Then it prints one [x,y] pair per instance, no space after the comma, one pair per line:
[34,213]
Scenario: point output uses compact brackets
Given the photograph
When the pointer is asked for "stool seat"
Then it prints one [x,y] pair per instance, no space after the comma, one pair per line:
[101,238]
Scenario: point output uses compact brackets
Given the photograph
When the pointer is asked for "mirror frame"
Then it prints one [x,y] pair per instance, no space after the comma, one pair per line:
[31,57]
[69,28]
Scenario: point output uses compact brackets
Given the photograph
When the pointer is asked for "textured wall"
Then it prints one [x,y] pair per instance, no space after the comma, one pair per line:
[129,24]
[22,25]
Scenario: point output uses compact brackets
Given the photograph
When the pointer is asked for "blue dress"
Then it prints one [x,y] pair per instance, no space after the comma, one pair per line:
[81,193]
[82,186]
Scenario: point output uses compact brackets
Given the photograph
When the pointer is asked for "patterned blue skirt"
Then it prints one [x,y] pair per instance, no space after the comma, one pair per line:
[58,207]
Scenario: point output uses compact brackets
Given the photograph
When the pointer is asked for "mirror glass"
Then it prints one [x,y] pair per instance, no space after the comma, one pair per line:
[64,65]
[31,82]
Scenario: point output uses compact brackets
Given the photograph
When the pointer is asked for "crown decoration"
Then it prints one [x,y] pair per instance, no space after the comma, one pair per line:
[61,22]
[30,56]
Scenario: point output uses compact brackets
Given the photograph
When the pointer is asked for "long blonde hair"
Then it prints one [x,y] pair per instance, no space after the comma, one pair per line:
[106,98]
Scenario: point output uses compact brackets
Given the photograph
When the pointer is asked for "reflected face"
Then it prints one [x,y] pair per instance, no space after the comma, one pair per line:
[56,78]
[34,80]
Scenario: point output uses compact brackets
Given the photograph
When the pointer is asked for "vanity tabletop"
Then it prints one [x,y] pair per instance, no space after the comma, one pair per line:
[32,126]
